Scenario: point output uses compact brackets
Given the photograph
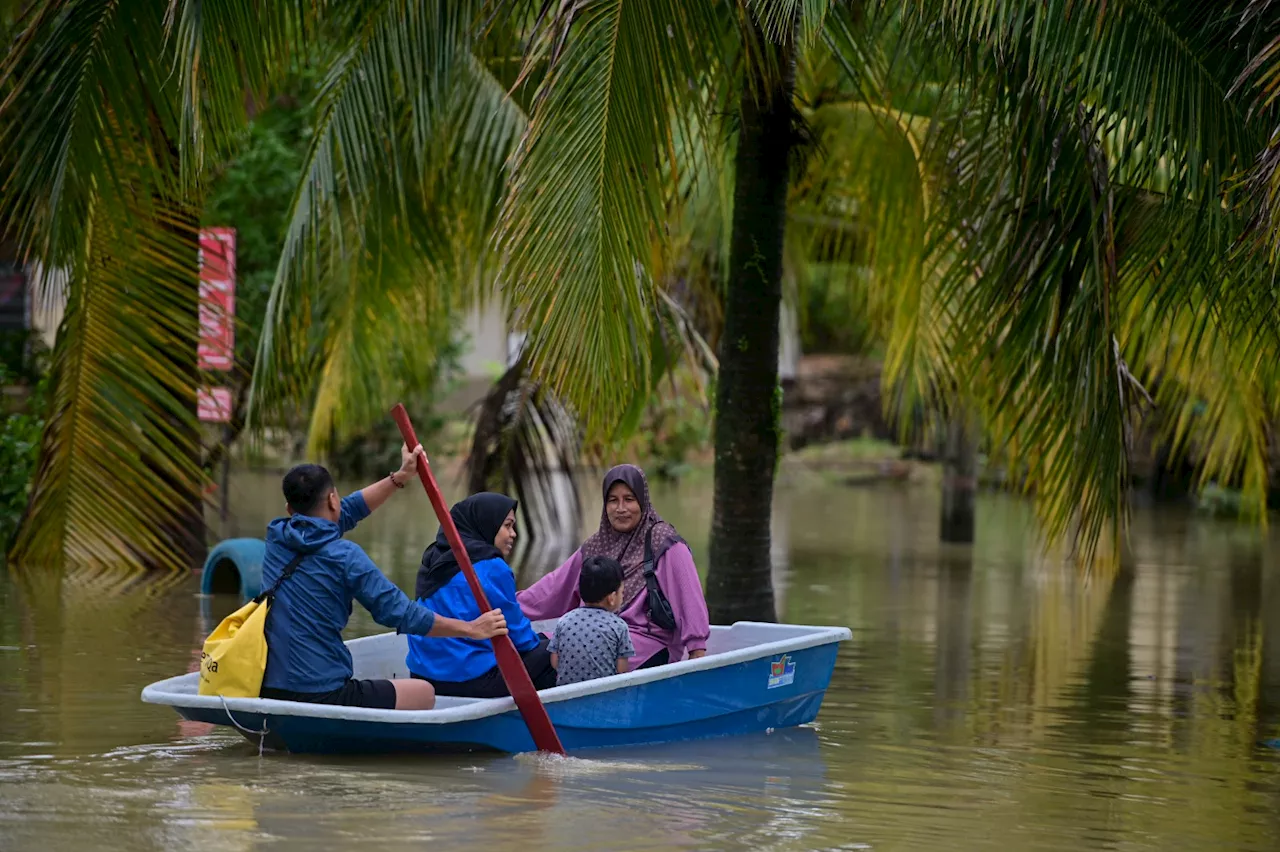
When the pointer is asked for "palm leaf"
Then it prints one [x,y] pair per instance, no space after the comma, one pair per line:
[527,442]
[93,192]
[1165,67]
[117,468]
[1213,375]
[390,224]
[1262,75]
[586,202]
[228,56]
[1078,119]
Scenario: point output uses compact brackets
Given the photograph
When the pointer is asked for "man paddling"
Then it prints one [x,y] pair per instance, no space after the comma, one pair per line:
[306,658]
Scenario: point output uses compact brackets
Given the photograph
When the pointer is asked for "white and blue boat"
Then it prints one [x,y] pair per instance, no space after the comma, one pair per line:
[754,677]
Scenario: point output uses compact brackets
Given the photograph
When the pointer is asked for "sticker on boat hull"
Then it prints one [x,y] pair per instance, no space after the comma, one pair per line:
[782,671]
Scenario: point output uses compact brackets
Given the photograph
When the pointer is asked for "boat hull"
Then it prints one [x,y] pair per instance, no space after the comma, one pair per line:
[748,689]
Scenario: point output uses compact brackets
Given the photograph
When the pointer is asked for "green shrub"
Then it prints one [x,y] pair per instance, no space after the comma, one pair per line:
[676,424]
[19,448]
[835,311]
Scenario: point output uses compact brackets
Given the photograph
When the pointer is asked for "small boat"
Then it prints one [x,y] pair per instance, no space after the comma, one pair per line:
[754,677]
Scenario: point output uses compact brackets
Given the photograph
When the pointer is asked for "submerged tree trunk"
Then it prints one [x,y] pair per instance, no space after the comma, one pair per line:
[959,479]
[748,404]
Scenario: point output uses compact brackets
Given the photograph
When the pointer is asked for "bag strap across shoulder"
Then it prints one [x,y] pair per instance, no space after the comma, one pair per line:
[659,607]
[284,575]
[649,567]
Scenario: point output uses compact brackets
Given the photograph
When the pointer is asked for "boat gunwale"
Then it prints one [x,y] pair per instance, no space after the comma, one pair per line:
[156,693]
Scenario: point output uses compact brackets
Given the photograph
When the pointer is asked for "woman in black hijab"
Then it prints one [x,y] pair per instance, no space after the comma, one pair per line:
[465,667]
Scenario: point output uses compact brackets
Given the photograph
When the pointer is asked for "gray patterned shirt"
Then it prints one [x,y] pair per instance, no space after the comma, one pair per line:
[589,642]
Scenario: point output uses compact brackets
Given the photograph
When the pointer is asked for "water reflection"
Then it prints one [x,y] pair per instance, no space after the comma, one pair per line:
[989,698]
[953,653]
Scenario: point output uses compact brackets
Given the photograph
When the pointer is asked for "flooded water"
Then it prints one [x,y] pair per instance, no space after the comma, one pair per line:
[988,700]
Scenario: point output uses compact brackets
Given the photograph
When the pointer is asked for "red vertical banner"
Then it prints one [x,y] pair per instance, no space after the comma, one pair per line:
[217,346]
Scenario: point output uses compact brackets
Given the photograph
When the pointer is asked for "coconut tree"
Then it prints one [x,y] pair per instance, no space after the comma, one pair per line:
[1090,210]
[1085,155]
[623,82]
[1077,231]
[114,118]
[100,193]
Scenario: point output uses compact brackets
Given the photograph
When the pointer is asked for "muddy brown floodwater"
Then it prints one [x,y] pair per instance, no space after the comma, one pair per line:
[988,700]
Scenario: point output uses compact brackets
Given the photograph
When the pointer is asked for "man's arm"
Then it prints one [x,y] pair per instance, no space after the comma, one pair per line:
[489,624]
[390,607]
[377,493]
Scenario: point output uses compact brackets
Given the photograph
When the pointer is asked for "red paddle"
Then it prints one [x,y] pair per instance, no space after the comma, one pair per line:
[509,663]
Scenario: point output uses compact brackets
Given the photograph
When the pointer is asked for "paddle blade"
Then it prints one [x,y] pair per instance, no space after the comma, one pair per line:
[510,665]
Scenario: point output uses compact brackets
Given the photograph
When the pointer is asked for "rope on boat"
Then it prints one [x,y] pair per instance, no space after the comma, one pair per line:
[261,735]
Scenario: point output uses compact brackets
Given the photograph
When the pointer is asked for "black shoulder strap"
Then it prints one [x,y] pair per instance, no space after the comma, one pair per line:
[284,575]
[649,567]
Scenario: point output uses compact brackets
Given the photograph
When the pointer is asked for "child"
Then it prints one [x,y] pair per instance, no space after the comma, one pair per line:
[593,641]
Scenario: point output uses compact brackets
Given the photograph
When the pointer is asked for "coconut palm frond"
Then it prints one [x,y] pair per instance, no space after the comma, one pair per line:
[780,18]
[1046,258]
[400,191]
[586,202]
[1163,68]
[118,474]
[1033,284]
[1261,77]
[94,195]
[387,319]
[1206,355]
[865,200]
[258,39]
[1040,239]
[526,442]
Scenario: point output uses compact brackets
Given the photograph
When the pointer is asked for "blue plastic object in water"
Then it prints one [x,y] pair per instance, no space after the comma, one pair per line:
[755,677]
[234,565]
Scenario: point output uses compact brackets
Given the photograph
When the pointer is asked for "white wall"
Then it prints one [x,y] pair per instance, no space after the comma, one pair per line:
[48,301]
[789,341]
[486,346]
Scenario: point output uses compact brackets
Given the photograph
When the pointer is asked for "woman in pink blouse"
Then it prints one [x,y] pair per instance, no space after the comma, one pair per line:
[628,526]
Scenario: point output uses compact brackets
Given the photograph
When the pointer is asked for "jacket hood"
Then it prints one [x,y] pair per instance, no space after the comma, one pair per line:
[302,533]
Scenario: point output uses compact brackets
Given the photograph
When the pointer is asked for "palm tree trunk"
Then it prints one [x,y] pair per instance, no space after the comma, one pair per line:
[748,408]
[959,479]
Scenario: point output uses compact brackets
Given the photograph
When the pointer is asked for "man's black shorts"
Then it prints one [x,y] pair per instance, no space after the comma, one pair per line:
[374,694]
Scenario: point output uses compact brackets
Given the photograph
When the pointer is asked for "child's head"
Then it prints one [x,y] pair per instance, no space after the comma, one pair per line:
[600,583]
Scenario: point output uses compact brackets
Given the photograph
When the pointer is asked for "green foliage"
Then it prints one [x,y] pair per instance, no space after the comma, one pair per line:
[19,449]
[835,315]
[102,134]
[677,425]
[253,193]
[389,229]
[585,216]
[23,357]
[1218,501]
[376,449]
[23,365]
[1044,195]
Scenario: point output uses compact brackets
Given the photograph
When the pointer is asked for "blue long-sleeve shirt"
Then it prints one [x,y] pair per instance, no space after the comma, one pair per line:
[305,652]
[457,660]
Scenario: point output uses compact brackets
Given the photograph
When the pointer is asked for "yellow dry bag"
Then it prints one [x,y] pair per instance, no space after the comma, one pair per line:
[235,654]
